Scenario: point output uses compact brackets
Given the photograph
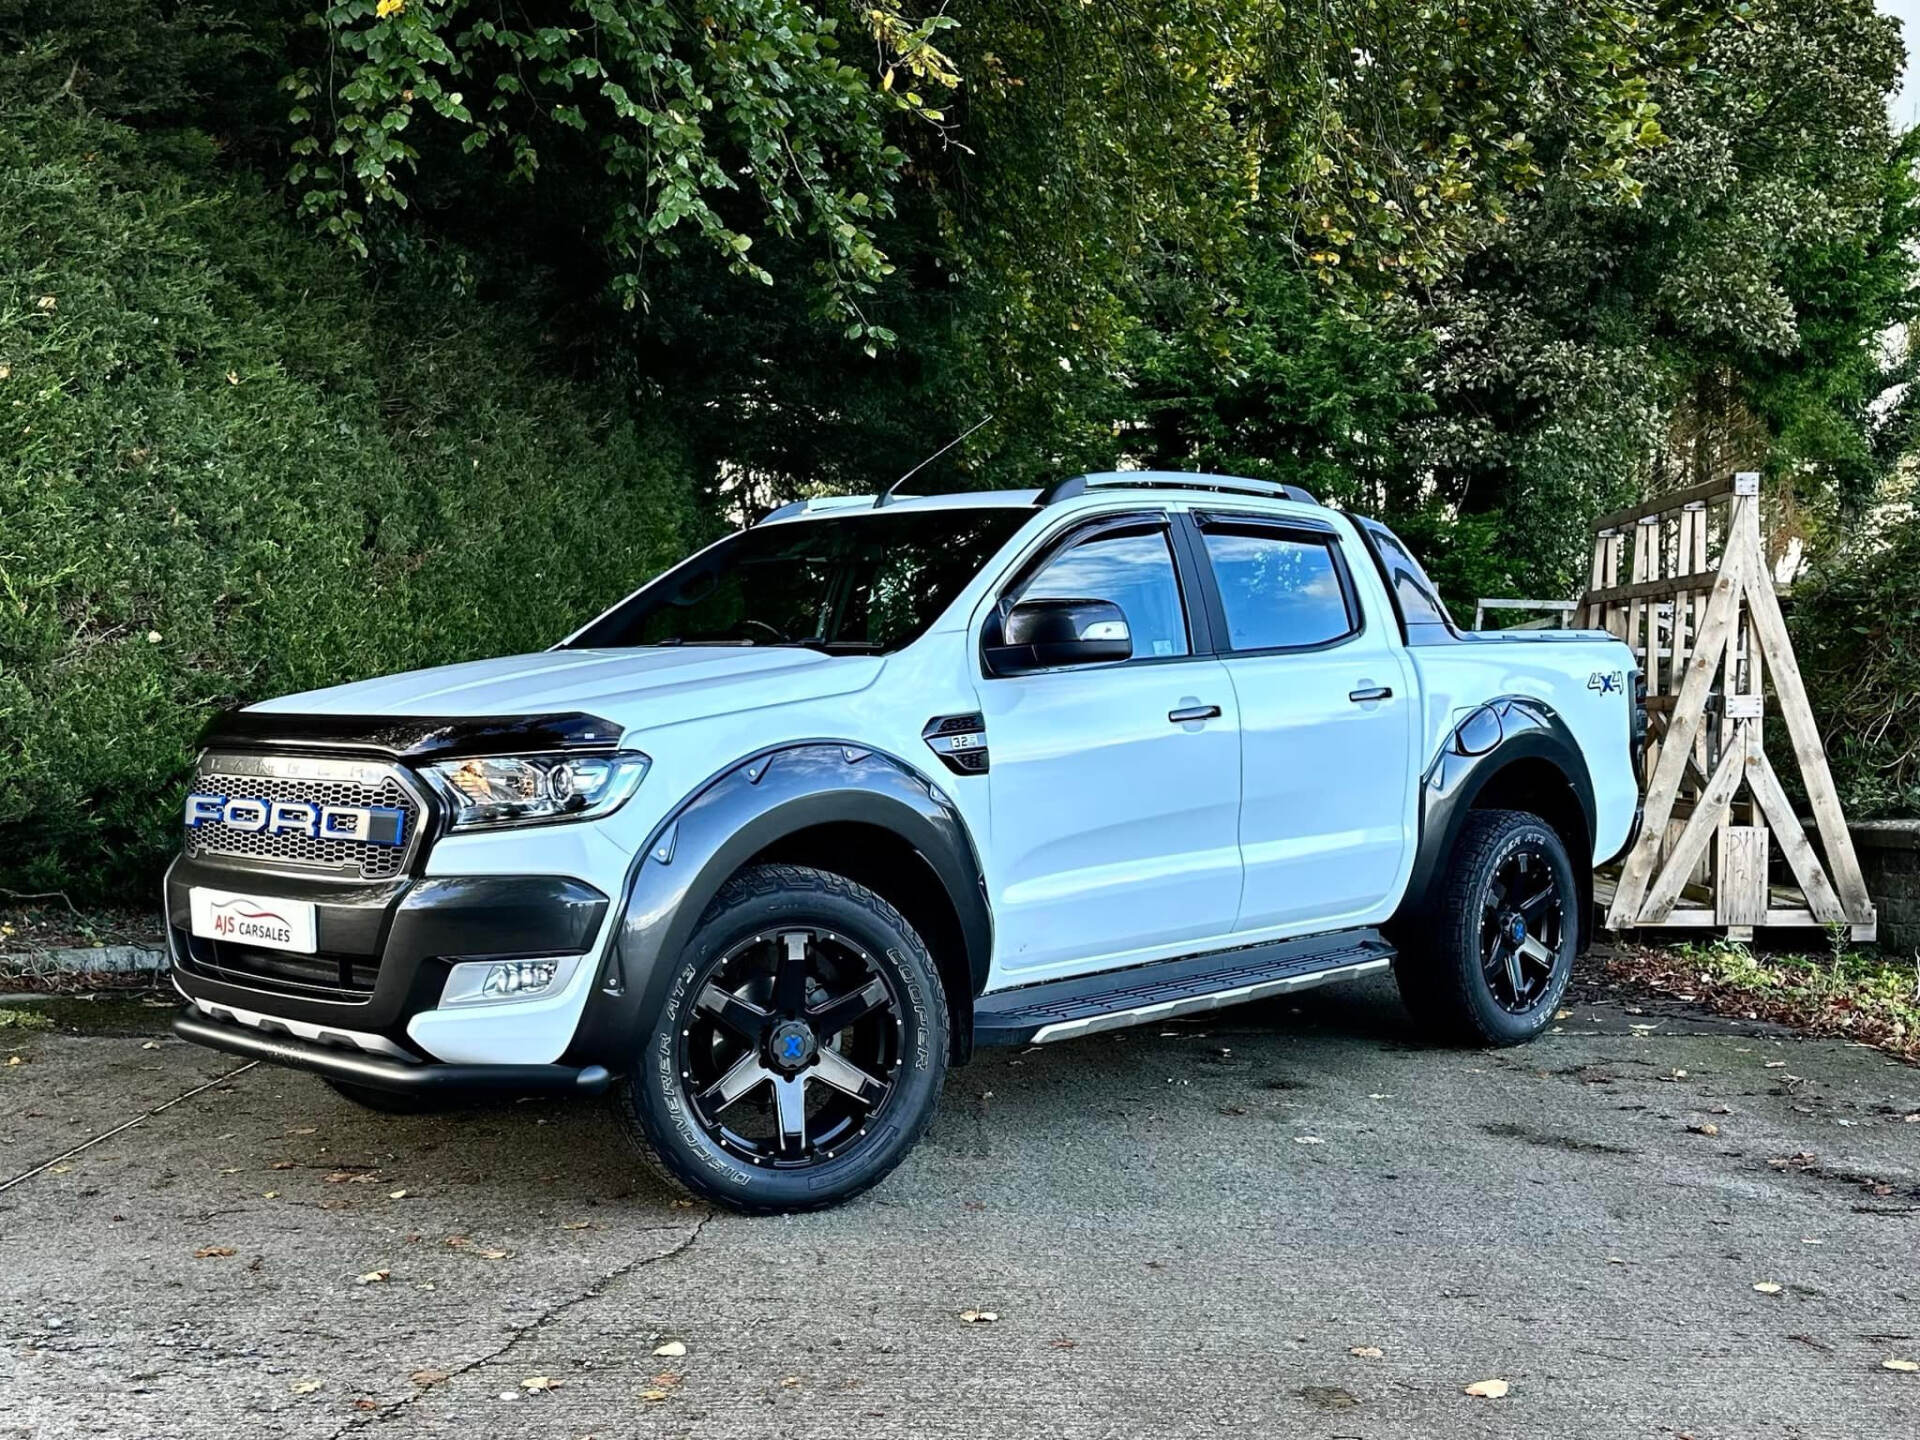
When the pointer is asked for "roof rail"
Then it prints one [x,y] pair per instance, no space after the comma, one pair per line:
[1170,480]
[818,502]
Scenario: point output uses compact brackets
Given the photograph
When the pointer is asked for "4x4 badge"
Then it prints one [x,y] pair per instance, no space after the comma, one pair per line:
[1603,682]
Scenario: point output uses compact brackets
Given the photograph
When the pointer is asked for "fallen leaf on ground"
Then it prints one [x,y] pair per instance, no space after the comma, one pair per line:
[652,1396]
[1767,1287]
[672,1350]
[1308,1140]
[396,1195]
[1487,1389]
[789,1382]
[539,1382]
[282,1165]
[1897,1364]
[493,1254]
[364,1403]
[666,1379]
[1063,1343]
[374,1277]
[1707,1129]
[576,1225]
[305,1387]
[304,1130]
[429,1377]
[1366,1352]
[213,1252]
[1776,1065]
[979,1317]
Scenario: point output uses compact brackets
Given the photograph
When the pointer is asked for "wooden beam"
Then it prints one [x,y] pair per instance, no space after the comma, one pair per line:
[1740,883]
[1660,504]
[1773,802]
[1662,586]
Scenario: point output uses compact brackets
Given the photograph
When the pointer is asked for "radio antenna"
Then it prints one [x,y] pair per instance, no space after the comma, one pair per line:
[887,494]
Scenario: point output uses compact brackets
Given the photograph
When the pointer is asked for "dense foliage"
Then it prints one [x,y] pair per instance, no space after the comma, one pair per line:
[229,469]
[573,279]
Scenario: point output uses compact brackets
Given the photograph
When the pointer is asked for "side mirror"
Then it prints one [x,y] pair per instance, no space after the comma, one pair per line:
[1047,634]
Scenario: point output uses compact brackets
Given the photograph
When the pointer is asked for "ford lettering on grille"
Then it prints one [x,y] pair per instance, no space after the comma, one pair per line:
[368,824]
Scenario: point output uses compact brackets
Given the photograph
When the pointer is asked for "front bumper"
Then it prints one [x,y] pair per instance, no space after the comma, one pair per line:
[383,954]
[381,1072]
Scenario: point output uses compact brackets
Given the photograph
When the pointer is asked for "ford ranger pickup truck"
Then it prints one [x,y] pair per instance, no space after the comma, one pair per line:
[772,843]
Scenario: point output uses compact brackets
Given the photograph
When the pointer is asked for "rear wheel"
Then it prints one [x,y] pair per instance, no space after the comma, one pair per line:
[801,1048]
[1500,950]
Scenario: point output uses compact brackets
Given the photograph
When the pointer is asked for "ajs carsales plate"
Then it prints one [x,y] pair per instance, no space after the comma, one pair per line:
[263,920]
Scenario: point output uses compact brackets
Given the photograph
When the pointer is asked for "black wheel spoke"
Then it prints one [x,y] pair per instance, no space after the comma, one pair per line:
[744,1018]
[790,973]
[1535,905]
[836,1015]
[790,1106]
[849,1079]
[741,1076]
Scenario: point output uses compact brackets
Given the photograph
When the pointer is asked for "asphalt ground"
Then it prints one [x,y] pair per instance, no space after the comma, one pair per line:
[1181,1231]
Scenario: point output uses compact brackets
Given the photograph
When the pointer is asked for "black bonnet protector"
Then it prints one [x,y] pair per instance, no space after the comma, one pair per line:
[412,737]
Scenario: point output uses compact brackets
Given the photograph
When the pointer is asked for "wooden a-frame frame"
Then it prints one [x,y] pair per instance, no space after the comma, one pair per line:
[1706,639]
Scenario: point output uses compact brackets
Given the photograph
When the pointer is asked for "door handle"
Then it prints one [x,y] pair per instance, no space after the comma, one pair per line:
[1371,693]
[1191,713]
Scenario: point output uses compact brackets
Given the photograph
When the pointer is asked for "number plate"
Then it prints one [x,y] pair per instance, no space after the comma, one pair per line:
[262,920]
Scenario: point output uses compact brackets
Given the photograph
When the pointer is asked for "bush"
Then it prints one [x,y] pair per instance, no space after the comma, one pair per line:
[1856,633]
[233,467]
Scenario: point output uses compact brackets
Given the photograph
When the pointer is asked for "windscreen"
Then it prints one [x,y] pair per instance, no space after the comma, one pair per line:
[864,583]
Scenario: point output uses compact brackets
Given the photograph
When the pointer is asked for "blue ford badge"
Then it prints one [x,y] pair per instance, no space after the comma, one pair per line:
[369,824]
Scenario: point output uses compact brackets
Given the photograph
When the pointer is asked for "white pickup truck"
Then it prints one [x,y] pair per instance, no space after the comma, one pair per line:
[778,838]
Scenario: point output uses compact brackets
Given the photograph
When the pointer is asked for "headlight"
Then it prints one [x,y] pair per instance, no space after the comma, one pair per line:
[496,790]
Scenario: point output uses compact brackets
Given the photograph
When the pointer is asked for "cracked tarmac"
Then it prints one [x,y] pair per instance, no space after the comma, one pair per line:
[1182,1231]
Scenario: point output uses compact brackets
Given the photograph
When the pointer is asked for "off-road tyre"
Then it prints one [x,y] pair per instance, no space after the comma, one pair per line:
[658,1101]
[1455,989]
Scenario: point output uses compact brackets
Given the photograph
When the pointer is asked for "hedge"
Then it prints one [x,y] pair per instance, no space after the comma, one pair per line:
[233,466]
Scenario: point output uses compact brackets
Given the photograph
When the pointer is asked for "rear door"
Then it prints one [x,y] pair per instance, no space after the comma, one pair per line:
[1326,724]
[1114,789]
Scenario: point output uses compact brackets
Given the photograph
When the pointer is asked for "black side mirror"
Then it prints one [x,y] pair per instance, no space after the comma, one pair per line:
[1046,634]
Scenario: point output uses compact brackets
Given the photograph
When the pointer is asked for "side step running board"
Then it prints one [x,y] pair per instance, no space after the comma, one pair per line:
[1139,994]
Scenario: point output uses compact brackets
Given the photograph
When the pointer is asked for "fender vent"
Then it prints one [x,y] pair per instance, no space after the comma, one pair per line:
[960,741]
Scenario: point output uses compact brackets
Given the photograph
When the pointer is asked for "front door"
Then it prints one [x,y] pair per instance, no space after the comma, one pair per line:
[1115,788]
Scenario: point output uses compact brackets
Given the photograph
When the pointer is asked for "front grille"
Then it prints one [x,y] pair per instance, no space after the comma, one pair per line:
[323,976]
[318,782]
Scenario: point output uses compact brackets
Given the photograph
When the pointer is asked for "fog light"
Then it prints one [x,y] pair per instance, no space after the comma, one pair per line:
[517,977]
[477,982]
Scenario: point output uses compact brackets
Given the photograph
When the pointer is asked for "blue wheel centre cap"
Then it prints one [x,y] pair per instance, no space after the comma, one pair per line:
[1517,928]
[791,1044]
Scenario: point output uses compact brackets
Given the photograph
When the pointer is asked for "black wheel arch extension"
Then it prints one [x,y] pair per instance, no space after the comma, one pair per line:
[1514,752]
[830,804]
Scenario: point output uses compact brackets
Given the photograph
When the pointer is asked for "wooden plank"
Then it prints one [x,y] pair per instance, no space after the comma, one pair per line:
[1740,887]
[1692,844]
[1662,587]
[1773,803]
[1797,711]
[1660,504]
[1684,728]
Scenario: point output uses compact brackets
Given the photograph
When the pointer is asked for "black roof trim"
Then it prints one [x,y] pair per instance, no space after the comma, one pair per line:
[1164,480]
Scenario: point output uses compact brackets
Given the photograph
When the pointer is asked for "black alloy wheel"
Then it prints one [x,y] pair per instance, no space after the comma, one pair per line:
[1491,957]
[1523,915]
[793,1048]
[800,1048]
